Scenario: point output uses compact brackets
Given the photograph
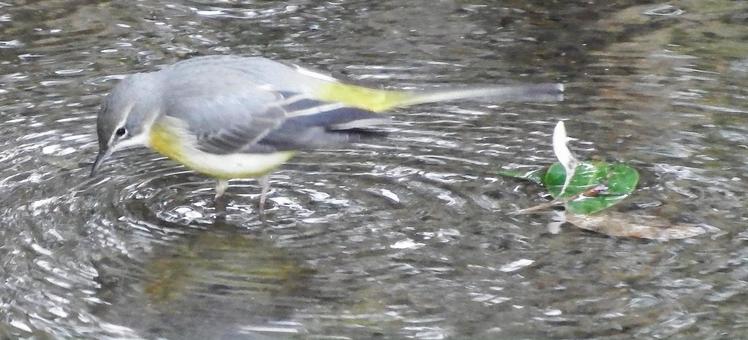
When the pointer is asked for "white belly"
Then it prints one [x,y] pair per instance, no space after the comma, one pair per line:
[238,165]
[168,140]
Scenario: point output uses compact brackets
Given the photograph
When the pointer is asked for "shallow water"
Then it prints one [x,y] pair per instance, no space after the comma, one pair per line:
[407,237]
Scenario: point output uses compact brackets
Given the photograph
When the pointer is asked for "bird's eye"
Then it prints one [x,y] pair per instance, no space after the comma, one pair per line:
[121,132]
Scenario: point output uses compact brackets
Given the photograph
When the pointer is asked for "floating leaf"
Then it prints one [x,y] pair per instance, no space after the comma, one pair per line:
[595,185]
[592,187]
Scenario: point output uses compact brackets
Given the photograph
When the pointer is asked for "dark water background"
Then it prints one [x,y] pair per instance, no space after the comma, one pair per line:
[408,237]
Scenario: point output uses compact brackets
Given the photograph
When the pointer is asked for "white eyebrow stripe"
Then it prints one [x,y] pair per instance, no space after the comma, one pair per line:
[122,122]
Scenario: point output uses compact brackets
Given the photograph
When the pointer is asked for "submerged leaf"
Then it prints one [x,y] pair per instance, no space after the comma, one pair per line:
[638,226]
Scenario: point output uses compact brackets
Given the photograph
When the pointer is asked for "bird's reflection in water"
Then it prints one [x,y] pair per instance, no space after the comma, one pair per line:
[219,281]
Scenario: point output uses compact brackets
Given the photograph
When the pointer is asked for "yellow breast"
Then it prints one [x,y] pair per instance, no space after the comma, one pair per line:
[173,142]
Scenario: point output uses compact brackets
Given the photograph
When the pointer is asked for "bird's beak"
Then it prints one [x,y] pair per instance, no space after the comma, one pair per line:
[100,158]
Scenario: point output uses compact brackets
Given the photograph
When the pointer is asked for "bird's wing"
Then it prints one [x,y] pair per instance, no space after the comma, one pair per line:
[311,123]
[224,113]
[230,112]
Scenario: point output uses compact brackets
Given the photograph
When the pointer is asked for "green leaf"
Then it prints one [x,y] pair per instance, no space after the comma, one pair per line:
[604,184]
[535,176]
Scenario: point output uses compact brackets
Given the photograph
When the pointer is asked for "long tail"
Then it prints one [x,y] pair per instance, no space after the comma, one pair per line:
[381,100]
[494,94]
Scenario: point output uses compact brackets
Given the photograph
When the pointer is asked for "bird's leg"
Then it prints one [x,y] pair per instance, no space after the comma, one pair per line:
[221,186]
[265,184]
[220,203]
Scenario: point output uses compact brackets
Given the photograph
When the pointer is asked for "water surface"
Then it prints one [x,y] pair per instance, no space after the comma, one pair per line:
[407,237]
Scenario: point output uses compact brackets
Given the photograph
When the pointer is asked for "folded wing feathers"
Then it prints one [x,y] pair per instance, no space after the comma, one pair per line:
[295,121]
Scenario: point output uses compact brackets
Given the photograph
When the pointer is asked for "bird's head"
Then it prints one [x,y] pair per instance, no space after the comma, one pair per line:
[126,115]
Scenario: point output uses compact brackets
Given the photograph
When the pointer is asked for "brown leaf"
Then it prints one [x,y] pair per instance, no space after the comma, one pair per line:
[631,225]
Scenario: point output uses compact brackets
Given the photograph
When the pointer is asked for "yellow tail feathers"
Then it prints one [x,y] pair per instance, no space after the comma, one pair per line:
[377,100]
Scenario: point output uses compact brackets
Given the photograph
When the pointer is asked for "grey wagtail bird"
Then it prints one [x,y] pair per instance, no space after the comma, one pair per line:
[232,117]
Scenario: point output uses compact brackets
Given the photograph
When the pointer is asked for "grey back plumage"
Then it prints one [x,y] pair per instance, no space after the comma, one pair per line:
[234,105]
